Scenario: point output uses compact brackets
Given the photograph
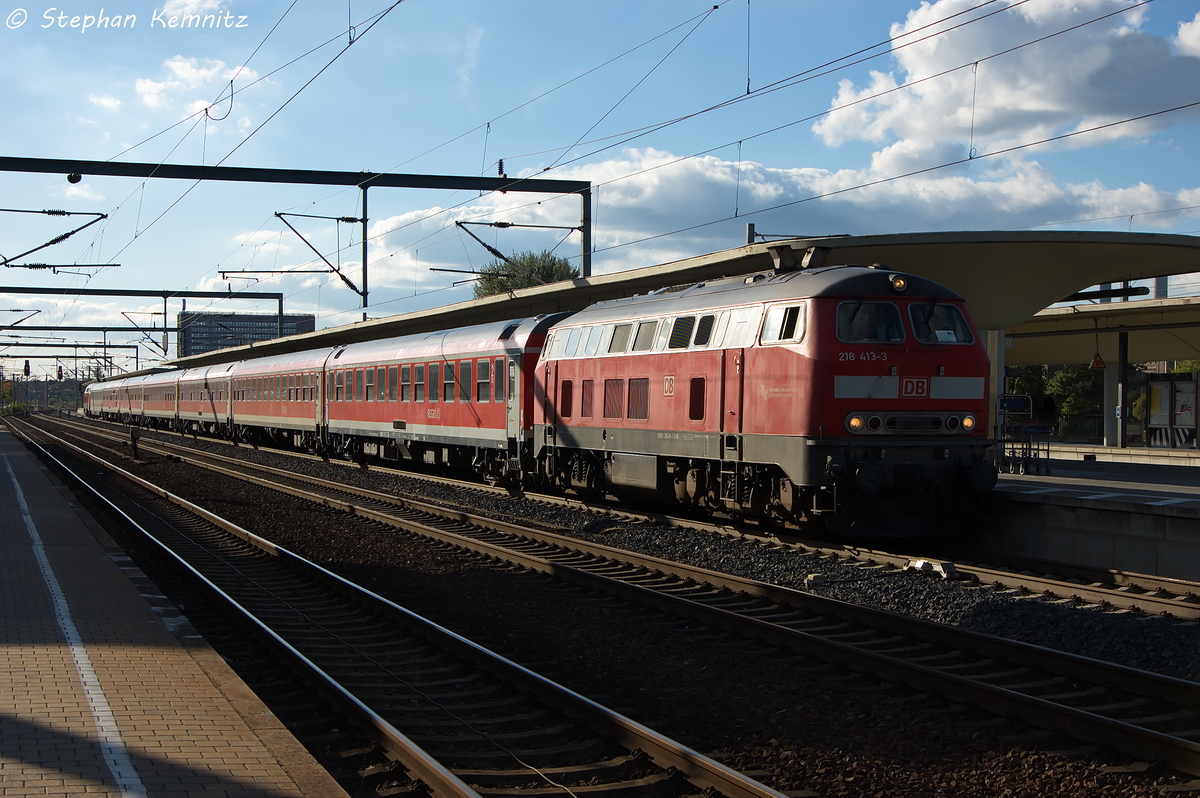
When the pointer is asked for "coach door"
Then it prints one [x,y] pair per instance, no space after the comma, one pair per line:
[513,416]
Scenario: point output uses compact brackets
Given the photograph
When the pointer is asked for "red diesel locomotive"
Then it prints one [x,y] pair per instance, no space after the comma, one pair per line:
[850,395]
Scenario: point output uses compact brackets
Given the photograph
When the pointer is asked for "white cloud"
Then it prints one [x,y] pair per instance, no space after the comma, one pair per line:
[1099,73]
[105,101]
[189,76]
[180,7]
[470,59]
[1188,39]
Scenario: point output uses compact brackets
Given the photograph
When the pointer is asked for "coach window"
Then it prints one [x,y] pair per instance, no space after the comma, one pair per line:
[681,332]
[696,399]
[406,383]
[614,398]
[512,381]
[448,384]
[464,381]
[419,383]
[639,398]
[784,325]
[393,374]
[435,381]
[644,339]
[566,398]
[572,342]
[339,383]
[587,391]
[620,338]
[498,381]
[862,322]
[483,381]
[369,385]
[380,377]
[360,383]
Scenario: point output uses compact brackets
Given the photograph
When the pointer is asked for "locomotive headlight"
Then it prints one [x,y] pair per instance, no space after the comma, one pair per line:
[856,423]
[968,423]
[899,282]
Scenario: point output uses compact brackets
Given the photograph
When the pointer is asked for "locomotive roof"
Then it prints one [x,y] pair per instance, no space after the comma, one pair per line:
[849,281]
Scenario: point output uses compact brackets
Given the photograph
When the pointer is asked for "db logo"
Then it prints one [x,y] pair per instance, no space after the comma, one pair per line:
[917,387]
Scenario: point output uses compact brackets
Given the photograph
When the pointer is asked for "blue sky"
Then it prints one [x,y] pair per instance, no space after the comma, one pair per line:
[568,90]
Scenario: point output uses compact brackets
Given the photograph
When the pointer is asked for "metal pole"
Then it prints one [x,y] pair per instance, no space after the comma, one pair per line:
[585,233]
[279,319]
[166,343]
[1122,386]
[364,252]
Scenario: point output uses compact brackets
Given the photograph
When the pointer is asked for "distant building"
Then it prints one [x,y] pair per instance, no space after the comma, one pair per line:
[204,332]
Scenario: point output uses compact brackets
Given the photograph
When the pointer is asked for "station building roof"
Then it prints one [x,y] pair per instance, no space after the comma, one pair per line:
[1006,278]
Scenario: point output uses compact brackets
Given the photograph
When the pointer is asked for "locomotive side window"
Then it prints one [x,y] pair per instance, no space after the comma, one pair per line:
[696,399]
[639,398]
[406,383]
[566,398]
[587,390]
[681,332]
[392,381]
[664,334]
[614,398]
[704,330]
[939,324]
[464,381]
[483,386]
[784,324]
[435,381]
[419,383]
[620,338]
[862,322]
[593,341]
[645,336]
[573,342]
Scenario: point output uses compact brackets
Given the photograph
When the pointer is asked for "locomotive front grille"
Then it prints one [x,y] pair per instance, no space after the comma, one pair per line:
[913,423]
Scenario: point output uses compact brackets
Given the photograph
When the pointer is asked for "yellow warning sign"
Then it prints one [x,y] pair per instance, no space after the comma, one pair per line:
[1097,362]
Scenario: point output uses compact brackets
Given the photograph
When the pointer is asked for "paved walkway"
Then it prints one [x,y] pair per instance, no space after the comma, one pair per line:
[104,688]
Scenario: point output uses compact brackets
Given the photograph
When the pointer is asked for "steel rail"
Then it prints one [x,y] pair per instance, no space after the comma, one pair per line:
[1179,752]
[665,752]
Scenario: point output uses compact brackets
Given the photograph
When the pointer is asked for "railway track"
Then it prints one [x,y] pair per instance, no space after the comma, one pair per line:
[1121,590]
[1146,715]
[462,720]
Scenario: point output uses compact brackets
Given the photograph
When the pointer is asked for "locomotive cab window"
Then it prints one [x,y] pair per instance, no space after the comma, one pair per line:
[863,322]
[785,324]
[939,324]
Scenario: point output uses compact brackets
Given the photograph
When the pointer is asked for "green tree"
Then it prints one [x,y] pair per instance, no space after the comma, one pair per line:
[1186,366]
[1077,389]
[526,270]
[1031,382]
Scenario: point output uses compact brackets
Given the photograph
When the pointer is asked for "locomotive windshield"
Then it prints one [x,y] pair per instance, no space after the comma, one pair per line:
[939,324]
[865,322]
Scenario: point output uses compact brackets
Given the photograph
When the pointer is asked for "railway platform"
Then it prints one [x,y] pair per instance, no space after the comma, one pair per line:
[105,689]
[1132,510]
